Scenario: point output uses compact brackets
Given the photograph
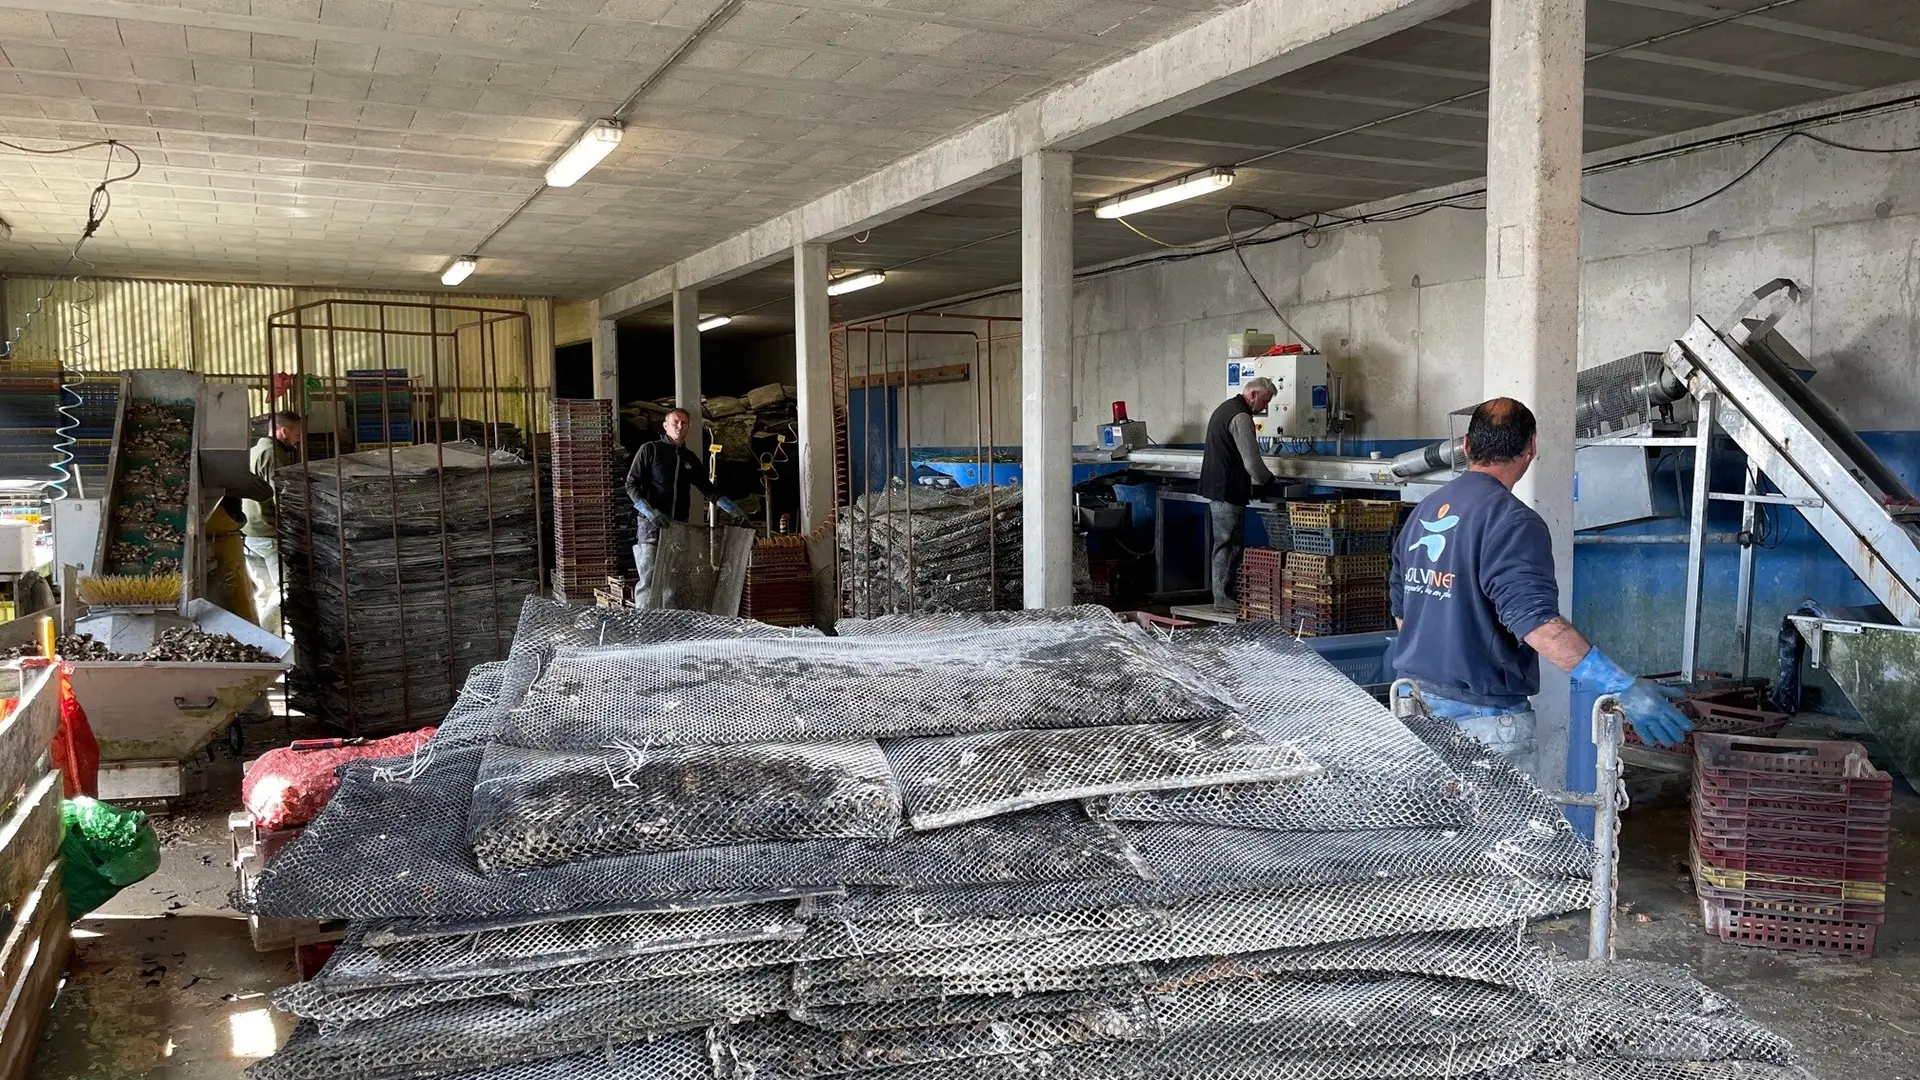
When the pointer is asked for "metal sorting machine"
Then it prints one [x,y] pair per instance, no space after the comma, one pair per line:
[150,716]
[1741,380]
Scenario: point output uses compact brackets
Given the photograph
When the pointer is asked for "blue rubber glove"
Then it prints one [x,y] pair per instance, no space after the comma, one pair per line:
[1648,705]
[654,517]
[726,505]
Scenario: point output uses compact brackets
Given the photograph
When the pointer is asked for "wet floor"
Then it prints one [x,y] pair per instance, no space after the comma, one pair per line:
[165,982]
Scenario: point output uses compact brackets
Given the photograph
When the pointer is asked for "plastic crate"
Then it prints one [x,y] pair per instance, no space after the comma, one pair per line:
[1751,804]
[1863,900]
[1771,927]
[1314,541]
[1279,531]
[1307,566]
[1833,767]
[1813,861]
[1364,515]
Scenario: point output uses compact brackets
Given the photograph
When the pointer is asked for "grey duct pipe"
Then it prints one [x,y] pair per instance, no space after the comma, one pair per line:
[1435,456]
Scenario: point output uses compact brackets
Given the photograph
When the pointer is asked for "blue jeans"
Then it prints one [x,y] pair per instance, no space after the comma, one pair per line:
[1508,732]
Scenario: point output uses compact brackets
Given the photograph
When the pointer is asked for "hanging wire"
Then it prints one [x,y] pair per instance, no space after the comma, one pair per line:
[67,483]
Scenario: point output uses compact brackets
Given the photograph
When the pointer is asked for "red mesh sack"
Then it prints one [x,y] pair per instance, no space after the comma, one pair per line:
[75,752]
[285,788]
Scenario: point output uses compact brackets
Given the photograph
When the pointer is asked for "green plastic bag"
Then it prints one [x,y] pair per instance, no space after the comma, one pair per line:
[104,849]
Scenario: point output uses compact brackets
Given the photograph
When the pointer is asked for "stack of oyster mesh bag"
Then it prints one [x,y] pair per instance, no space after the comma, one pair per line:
[678,846]
[912,548]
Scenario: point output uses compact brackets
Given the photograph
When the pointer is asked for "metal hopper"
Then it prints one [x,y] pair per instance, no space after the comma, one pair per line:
[150,716]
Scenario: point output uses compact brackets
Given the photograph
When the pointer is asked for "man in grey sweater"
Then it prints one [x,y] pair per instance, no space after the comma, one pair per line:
[1229,472]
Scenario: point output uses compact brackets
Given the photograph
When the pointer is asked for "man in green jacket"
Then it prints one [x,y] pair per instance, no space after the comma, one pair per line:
[271,453]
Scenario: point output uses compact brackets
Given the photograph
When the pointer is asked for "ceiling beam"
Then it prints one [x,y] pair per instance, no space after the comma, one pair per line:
[1238,48]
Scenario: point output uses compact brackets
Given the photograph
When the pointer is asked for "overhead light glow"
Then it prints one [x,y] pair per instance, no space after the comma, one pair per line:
[1191,186]
[714,322]
[855,282]
[458,271]
[591,148]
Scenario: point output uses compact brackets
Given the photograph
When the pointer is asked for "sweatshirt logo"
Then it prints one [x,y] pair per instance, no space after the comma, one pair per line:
[1435,542]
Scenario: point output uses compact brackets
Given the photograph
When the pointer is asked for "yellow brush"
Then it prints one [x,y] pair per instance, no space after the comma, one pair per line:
[128,590]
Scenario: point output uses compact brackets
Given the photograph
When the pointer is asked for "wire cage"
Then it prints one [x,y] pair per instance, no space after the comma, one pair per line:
[904,547]
[413,530]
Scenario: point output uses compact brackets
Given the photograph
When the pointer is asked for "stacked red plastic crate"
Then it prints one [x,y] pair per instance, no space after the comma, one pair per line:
[1790,842]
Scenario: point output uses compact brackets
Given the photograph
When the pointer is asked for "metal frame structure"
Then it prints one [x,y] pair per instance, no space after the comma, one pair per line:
[1744,385]
[859,480]
[317,331]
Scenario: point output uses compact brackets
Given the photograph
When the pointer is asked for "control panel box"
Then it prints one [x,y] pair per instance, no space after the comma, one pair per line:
[1301,404]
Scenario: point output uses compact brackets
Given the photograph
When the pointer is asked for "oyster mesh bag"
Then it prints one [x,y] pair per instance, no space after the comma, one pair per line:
[741,689]
[1356,923]
[956,778]
[536,808]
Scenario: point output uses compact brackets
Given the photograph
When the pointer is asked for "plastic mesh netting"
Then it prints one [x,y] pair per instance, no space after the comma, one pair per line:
[1377,774]
[1362,922]
[1031,675]
[547,807]
[555,945]
[352,863]
[956,778]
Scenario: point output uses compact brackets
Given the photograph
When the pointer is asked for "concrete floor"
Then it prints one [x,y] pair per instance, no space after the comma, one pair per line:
[166,984]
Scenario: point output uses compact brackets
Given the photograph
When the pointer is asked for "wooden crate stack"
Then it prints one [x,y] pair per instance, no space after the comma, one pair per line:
[34,943]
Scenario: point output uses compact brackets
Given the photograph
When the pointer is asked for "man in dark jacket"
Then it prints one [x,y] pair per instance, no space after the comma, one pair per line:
[1474,595]
[1229,471]
[658,482]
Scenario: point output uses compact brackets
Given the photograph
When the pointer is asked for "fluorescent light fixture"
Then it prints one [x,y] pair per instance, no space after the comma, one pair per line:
[592,147]
[855,282]
[1180,189]
[714,322]
[458,270]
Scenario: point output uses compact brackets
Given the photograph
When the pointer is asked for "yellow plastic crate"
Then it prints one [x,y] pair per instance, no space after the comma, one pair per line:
[1365,515]
[1857,892]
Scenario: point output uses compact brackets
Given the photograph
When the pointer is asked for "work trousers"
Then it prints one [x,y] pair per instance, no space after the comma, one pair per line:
[1229,544]
[263,569]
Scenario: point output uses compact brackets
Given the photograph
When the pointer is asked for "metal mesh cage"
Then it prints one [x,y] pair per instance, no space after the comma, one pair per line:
[547,807]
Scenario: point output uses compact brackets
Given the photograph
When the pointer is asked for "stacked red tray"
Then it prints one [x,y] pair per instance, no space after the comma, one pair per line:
[583,445]
[1790,842]
[1261,584]
[779,582]
[1711,714]
[1335,594]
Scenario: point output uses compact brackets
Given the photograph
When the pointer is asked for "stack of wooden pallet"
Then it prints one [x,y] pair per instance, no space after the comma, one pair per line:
[33,904]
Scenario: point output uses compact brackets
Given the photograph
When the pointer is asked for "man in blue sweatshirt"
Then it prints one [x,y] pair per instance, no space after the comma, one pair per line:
[1477,604]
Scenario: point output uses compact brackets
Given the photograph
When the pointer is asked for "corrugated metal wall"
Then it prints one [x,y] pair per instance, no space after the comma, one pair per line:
[221,331]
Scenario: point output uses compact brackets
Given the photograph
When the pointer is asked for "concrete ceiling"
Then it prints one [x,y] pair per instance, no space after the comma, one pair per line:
[366,143]
[1301,129]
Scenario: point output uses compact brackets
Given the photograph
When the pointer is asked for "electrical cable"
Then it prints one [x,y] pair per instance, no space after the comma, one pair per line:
[1750,170]
[99,204]
[1135,229]
[1234,241]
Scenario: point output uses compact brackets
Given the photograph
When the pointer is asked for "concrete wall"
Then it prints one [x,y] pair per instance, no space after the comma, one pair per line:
[1397,306]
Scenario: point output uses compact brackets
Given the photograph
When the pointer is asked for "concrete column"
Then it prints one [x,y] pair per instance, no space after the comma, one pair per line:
[686,380]
[1046,376]
[1533,276]
[606,362]
[813,375]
